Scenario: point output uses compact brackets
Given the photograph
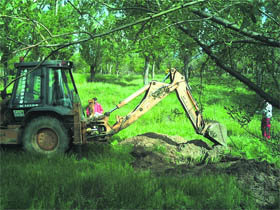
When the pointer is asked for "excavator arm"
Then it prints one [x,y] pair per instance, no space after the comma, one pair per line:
[154,93]
[214,131]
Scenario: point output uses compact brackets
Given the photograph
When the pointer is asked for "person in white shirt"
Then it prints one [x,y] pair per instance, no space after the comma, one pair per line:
[266,124]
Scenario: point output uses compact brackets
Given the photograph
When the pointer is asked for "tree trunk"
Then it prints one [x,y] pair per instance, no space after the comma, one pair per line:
[4,60]
[158,62]
[117,69]
[110,68]
[56,7]
[186,67]
[92,72]
[259,76]
[153,70]
[276,73]
[275,102]
[146,70]
[5,73]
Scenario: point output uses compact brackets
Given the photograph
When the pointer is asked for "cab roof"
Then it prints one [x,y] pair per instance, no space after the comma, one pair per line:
[48,63]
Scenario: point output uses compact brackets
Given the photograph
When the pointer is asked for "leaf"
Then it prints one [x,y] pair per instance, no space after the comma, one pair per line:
[19,25]
[115,142]
[39,15]
[9,7]
[33,6]
[245,23]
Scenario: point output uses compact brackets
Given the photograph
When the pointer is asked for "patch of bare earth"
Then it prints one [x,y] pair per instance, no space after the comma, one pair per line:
[173,155]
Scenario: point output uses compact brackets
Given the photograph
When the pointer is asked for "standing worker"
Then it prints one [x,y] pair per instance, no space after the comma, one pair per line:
[265,125]
[94,109]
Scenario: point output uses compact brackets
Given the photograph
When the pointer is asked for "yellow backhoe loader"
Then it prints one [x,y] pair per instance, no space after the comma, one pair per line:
[44,114]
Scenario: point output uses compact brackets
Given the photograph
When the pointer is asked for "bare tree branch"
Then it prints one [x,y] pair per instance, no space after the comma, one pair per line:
[269,16]
[127,8]
[54,45]
[82,13]
[244,41]
[93,36]
[33,69]
[257,36]
[139,31]
[18,42]
[61,46]
[27,20]
[275,102]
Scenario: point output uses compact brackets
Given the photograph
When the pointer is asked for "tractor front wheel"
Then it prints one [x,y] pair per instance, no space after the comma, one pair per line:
[45,135]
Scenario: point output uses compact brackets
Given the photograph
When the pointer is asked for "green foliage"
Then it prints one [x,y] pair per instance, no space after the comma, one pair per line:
[241,115]
[63,28]
[80,66]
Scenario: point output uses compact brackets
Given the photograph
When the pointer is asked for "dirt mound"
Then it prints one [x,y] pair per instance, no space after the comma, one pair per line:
[173,155]
[153,149]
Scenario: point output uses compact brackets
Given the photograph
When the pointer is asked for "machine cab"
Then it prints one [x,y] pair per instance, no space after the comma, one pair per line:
[44,86]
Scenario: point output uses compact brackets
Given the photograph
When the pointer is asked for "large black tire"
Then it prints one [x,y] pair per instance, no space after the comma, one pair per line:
[45,135]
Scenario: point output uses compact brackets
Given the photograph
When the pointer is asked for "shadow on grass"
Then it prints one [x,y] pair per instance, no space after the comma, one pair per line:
[13,148]
[98,151]
[234,97]
[112,79]
[87,150]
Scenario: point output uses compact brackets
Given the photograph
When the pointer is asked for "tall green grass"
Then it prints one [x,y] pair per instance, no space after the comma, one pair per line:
[104,179]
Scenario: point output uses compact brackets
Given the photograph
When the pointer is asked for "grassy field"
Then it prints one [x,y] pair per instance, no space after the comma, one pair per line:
[216,94]
[105,180]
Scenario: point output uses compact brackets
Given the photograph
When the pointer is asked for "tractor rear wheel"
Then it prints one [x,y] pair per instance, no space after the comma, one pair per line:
[45,135]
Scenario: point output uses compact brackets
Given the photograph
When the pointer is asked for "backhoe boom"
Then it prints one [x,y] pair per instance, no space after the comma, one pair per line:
[154,93]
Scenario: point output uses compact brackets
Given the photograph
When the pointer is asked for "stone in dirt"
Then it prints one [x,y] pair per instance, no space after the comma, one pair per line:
[173,155]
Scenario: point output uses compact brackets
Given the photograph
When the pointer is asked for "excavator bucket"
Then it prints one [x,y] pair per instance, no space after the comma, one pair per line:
[216,132]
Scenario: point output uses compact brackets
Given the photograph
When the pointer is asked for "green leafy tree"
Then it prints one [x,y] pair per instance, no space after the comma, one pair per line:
[91,52]
[225,30]
[13,28]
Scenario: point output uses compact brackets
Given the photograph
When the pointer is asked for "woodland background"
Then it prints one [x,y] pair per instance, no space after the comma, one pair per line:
[203,38]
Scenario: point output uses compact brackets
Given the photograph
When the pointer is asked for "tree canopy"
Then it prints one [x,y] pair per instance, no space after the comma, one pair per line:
[238,37]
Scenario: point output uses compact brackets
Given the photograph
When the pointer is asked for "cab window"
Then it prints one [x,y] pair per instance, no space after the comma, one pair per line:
[59,89]
[28,88]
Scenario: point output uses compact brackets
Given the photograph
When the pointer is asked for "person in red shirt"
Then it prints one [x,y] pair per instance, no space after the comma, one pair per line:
[94,109]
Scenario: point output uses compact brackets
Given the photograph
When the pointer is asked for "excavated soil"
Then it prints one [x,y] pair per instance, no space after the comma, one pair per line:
[173,155]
